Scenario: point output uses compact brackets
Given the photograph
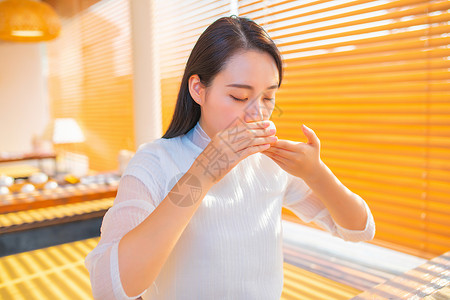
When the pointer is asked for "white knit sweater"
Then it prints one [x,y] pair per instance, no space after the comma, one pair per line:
[232,247]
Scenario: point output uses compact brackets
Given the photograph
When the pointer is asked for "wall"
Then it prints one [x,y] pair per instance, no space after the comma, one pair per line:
[23,95]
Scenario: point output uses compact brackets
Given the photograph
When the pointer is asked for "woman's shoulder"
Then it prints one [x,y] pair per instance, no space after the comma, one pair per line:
[151,153]
[157,144]
[151,159]
[158,148]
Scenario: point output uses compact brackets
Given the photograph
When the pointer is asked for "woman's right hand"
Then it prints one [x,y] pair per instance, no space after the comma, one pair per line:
[233,144]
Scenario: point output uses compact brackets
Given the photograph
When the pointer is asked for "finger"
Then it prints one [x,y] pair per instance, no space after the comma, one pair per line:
[311,136]
[264,140]
[282,152]
[237,131]
[286,145]
[257,128]
[282,158]
[274,158]
[263,131]
[238,126]
[268,125]
[240,136]
[252,150]
[248,140]
[257,125]
[253,125]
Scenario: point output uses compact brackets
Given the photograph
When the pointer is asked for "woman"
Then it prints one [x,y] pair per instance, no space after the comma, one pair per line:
[198,211]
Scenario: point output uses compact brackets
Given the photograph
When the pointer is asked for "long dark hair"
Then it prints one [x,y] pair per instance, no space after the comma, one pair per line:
[215,45]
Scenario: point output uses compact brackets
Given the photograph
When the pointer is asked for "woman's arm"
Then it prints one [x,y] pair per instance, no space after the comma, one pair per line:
[144,250]
[345,207]
[303,160]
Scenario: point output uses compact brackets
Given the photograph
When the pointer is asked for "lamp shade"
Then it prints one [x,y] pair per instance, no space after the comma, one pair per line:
[64,131]
[28,21]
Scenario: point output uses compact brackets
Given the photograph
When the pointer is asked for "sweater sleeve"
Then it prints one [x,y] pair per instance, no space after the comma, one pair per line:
[305,204]
[131,206]
[139,192]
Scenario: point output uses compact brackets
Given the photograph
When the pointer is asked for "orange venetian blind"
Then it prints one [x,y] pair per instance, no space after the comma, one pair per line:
[179,25]
[372,79]
[90,76]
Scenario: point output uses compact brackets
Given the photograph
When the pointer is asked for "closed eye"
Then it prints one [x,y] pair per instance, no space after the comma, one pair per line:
[245,99]
[238,99]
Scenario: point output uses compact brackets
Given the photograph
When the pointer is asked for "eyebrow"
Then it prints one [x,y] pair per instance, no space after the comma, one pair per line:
[249,87]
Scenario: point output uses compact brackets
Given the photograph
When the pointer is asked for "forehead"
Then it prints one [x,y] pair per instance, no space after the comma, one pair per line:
[251,67]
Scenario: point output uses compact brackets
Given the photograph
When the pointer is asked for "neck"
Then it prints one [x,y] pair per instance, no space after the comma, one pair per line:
[205,128]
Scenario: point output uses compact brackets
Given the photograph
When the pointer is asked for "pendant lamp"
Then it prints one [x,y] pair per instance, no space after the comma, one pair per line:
[28,21]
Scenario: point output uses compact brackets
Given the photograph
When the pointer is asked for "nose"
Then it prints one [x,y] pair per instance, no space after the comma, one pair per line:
[254,111]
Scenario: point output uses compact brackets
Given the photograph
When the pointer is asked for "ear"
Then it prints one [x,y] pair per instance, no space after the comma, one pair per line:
[196,89]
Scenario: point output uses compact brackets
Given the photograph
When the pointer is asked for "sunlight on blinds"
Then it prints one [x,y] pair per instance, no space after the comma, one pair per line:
[372,79]
[179,24]
[90,76]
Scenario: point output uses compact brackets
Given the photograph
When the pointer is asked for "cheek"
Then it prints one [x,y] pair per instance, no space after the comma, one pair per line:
[228,115]
[225,109]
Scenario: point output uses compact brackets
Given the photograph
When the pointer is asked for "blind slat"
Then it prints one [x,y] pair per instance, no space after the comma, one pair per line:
[404,40]
[371,78]
[318,62]
[386,29]
[90,69]
[359,8]
[382,69]
[393,15]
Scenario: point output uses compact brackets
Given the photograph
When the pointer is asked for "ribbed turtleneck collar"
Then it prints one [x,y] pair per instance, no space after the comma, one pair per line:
[198,136]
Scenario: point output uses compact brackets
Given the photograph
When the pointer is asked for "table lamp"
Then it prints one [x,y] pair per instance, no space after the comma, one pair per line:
[64,131]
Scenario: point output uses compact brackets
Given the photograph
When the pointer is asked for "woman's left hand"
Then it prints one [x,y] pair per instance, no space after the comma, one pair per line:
[297,158]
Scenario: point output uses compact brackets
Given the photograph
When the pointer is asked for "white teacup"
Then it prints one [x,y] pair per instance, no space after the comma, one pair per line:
[38,178]
[51,185]
[272,126]
[27,188]
[6,180]
[4,190]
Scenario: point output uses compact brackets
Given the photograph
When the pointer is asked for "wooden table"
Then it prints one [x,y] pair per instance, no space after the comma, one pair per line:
[28,156]
[428,281]
[64,194]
